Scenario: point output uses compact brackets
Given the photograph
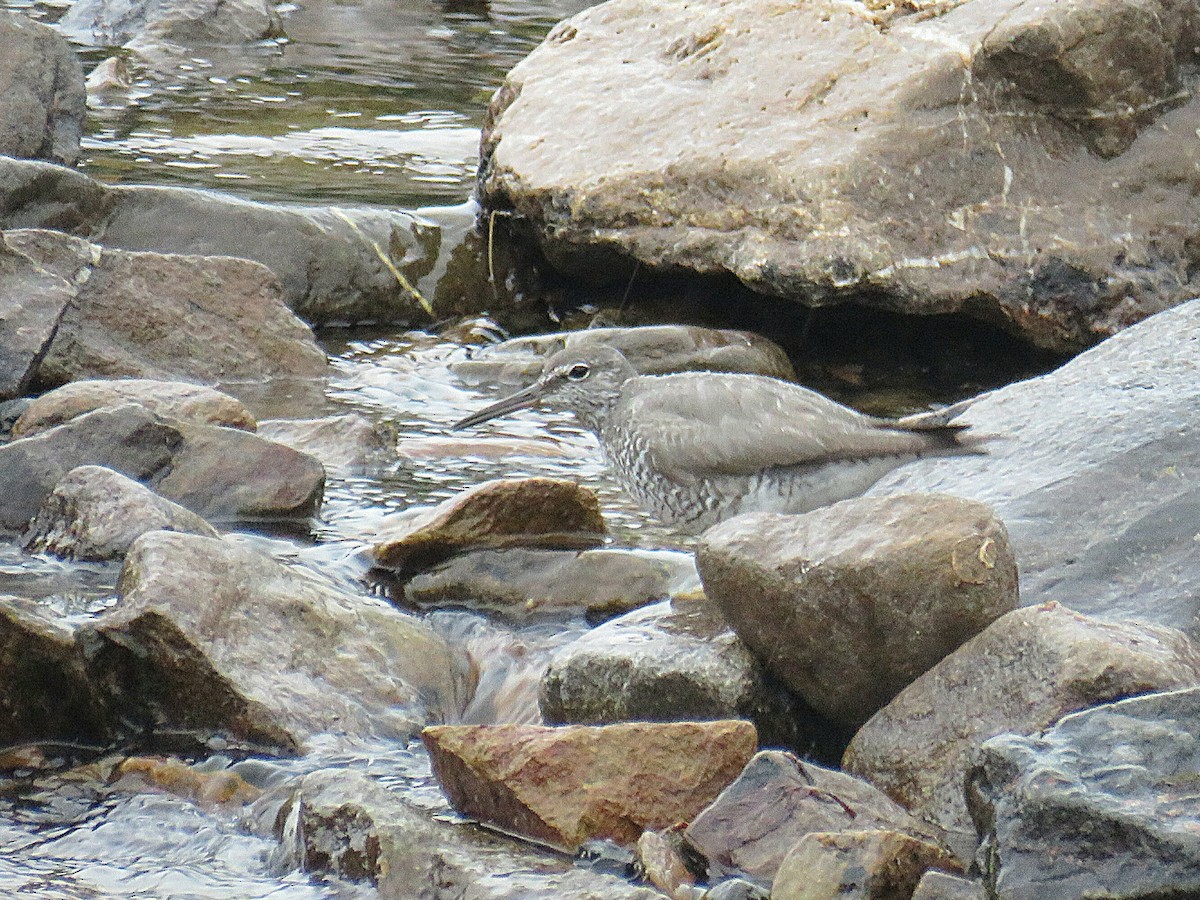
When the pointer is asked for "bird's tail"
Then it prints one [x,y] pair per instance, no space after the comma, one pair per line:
[946,435]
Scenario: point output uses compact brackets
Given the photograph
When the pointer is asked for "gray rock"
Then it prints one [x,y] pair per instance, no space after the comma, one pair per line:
[777,800]
[849,603]
[187,23]
[127,438]
[326,258]
[940,886]
[210,636]
[1023,673]
[1101,805]
[222,318]
[346,443]
[521,582]
[677,660]
[987,158]
[32,305]
[174,399]
[1092,472]
[96,513]
[10,411]
[43,104]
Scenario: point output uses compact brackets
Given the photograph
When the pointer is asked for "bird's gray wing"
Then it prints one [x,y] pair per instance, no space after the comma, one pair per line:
[704,424]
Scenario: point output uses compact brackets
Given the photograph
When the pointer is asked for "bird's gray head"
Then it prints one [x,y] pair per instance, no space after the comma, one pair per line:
[586,381]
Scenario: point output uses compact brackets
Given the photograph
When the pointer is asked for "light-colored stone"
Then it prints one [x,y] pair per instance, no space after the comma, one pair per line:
[855,865]
[346,443]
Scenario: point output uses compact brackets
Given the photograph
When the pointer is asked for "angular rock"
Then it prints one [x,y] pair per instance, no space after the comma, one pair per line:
[1091,472]
[563,786]
[222,318]
[187,23]
[855,865]
[756,821]
[660,857]
[44,689]
[210,637]
[176,399]
[342,443]
[677,660]
[1101,805]
[345,823]
[42,106]
[849,603]
[651,349]
[520,582]
[507,512]
[1022,674]
[96,513]
[32,304]
[940,886]
[986,158]
[127,438]
[224,474]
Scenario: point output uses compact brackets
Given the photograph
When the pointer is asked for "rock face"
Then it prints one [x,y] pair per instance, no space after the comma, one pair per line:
[507,512]
[43,103]
[993,158]
[176,399]
[676,660]
[1093,472]
[209,636]
[221,318]
[850,603]
[567,785]
[1023,673]
[855,865]
[32,305]
[778,800]
[1102,804]
[96,513]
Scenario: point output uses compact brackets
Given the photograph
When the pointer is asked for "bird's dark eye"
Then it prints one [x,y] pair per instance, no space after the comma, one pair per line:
[578,372]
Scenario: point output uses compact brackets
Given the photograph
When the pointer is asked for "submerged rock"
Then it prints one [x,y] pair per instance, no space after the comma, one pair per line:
[849,603]
[346,443]
[43,104]
[855,865]
[566,785]
[177,399]
[96,513]
[1023,673]
[990,158]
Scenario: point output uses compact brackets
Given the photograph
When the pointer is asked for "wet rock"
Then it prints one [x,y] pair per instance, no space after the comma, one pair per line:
[488,446]
[849,603]
[677,660]
[96,513]
[522,582]
[224,475]
[221,318]
[1023,673]
[507,512]
[345,823]
[990,158]
[32,304]
[1102,804]
[187,23]
[176,399]
[940,886]
[346,443]
[651,349]
[42,106]
[46,692]
[327,259]
[127,438]
[210,636]
[855,865]
[197,783]
[566,785]
[1091,472]
[756,821]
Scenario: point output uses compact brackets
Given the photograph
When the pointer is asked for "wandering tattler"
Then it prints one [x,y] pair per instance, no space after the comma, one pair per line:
[695,448]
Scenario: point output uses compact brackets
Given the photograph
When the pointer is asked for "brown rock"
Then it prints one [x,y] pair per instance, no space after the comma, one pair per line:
[778,800]
[176,399]
[849,603]
[1022,674]
[566,785]
[856,865]
[173,776]
[509,512]
[660,855]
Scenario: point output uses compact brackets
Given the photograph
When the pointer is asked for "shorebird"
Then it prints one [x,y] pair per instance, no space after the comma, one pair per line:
[695,448]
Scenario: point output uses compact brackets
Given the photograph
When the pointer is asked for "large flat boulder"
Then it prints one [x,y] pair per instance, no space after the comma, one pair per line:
[1028,162]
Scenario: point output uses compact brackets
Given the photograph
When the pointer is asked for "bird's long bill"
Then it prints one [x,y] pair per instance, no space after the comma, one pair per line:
[522,399]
